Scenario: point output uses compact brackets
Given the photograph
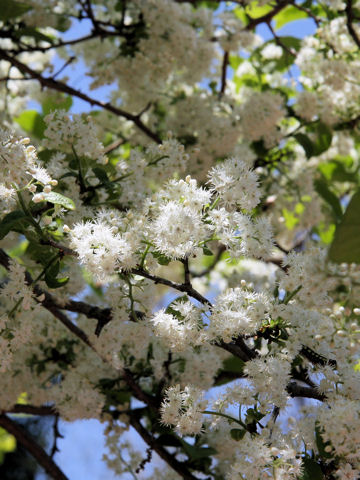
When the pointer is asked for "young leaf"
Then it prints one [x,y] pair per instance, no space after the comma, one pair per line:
[51,274]
[32,122]
[324,191]
[12,9]
[237,433]
[11,221]
[312,470]
[161,258]
[58,199]
[288,14]
[346,244]
[56,102]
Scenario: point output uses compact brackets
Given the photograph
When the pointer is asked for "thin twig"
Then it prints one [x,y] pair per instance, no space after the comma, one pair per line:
[279,41]
[349,22]
[66,64]
[57,435]
[179,467]
[254,22]
[216,260]
[181,287]
[224,66]
[32,447]
[113,146]
[187,280]
[49,82]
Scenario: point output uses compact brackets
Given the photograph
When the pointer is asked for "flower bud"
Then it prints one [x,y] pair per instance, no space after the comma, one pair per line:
[39,197]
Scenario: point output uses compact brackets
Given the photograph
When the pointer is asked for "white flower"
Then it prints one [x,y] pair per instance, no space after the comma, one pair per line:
[238,312]
[102,251]
[181,329]
[177,230]
[271,51]
[184,409]
[235,183]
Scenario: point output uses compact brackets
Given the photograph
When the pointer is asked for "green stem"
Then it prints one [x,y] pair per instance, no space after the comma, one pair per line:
[232,419]
[144,256]
[28,213]
[46,268]
[13,310]
[100,185]
[292,295]
[81,175]
[157,160]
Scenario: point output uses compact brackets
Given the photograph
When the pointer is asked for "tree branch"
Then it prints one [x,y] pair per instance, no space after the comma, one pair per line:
[224,66]
[349,22]
[217,258]
[296,390]
[254,22]
[181,287]
[32,410]
[64,88]
[32,447]
[179,467]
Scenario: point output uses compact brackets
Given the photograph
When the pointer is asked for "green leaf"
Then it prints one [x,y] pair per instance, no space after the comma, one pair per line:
[230,366]
[320,142]
[194,452]
[336,170]
[32,122]
[306,143]
[288,14]
[253,415]
[237,433]
[161,258]
[101,174]
[312,470]
[330,198]
[346,243]
[168,439]
[326,232]
[7,441]
[235,61]
[291,220]
[34,33]
[58,102]
[12,9]
[39,253]
[51,274]
[63,23]
[256,11]
[58,199]
[13,220]
[207,251]
[323,138]
[321,445]
[234,364]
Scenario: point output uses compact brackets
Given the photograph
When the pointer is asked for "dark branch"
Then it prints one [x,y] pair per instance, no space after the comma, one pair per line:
[316,358]
[349,22]
[254,22]
[296,390]
[217,258]
[181,287]
[32,447]
[64,88]
[179,467]
[32,410]
[224,66]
